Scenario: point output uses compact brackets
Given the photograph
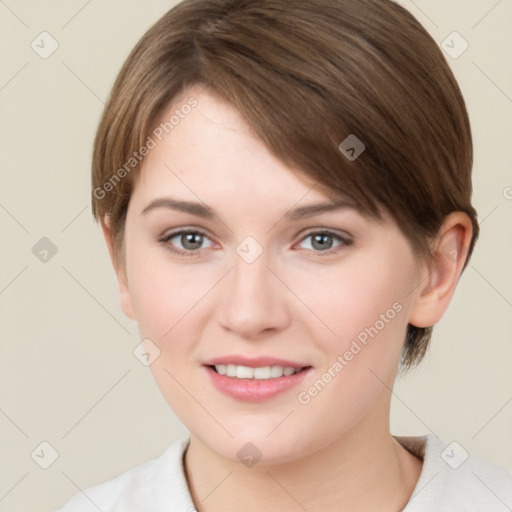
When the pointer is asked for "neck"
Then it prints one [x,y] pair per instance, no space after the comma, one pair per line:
[363,470]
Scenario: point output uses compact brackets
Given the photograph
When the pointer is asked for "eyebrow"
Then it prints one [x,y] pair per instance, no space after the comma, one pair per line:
[205,212]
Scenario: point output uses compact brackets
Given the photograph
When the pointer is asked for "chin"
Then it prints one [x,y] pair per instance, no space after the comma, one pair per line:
[252,442]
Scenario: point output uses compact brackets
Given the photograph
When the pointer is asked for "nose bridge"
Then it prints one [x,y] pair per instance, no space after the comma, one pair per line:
[255,300]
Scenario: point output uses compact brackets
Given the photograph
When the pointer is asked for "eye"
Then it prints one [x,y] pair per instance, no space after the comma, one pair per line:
[324,242]
[189,242]
[185,242]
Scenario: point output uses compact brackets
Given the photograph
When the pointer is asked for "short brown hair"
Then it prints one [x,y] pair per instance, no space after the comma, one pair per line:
[306,74]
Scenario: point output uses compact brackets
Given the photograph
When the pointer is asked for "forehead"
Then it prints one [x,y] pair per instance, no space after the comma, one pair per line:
[212,156]
[213,145]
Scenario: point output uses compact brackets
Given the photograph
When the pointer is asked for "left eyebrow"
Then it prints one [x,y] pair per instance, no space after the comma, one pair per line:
[304,212]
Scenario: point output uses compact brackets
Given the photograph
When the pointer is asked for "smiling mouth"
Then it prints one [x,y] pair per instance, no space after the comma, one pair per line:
[259,373]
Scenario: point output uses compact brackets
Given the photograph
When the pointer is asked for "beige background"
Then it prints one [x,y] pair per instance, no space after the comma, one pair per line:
[68,375]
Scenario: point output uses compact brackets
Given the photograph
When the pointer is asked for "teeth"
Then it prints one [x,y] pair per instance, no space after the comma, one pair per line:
[276,371]
[244,372]
[222,369]
[262,373]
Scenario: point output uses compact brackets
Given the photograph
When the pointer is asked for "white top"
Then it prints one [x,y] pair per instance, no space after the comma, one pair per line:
[449,482]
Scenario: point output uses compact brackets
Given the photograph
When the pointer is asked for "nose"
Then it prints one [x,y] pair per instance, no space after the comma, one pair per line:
[256,302]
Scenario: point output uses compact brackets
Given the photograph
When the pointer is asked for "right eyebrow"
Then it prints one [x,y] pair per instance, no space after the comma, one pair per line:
[191,207]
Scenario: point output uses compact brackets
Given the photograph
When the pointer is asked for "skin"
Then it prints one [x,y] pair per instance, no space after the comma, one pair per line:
[292,302]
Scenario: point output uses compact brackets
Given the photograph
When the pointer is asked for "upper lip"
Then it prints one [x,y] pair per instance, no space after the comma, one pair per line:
[254,362]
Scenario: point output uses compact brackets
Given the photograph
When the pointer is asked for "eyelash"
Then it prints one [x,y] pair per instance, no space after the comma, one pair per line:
[164,240]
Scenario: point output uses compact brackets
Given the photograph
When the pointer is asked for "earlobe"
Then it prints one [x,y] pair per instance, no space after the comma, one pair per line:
[438,283]
[119,269]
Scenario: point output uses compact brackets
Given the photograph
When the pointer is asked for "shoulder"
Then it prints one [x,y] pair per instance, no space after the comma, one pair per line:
[452,479]
[153,485]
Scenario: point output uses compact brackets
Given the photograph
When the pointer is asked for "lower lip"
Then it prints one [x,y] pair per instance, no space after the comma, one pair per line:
[254,390]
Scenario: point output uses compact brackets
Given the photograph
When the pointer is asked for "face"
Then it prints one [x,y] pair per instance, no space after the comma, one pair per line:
[230,271]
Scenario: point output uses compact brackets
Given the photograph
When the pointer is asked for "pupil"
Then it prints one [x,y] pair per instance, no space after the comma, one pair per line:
[322,241]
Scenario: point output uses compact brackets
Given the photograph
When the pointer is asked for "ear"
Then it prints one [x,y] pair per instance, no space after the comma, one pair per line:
[119,269]
[438,282]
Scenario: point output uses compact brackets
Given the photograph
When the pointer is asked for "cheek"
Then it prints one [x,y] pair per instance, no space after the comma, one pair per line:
[368,315]
[169,304]
[355,301]
[164,294]
[363,325]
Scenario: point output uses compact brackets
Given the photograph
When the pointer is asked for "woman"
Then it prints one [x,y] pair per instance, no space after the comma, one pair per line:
[285,191]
